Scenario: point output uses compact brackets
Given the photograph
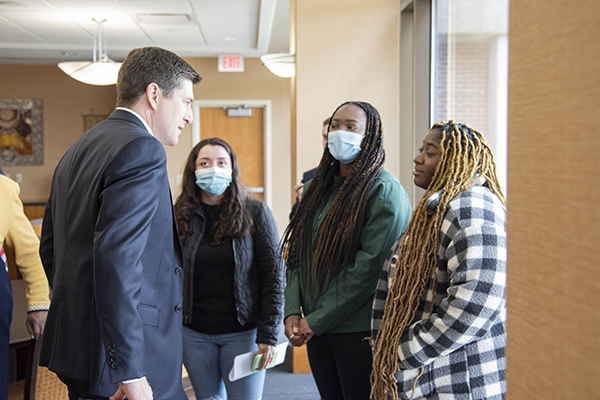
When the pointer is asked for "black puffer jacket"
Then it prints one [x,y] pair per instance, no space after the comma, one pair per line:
[259,279]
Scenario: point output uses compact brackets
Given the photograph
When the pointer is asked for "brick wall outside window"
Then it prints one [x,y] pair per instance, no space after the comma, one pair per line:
[469,79]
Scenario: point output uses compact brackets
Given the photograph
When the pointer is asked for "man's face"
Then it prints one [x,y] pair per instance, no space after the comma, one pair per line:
[173,113]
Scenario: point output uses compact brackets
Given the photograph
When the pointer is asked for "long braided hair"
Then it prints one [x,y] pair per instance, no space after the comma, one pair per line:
[234,220]
[465,158]
[338,238]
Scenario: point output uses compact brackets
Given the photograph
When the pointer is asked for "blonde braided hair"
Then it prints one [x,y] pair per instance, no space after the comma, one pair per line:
[465,158]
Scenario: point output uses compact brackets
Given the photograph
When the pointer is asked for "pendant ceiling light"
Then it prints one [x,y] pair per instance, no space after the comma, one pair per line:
[101,70]
[281,64]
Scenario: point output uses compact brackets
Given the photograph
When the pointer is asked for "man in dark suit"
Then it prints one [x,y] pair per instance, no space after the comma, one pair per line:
[110,246]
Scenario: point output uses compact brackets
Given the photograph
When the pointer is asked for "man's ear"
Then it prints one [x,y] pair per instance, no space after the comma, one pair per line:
[152,95]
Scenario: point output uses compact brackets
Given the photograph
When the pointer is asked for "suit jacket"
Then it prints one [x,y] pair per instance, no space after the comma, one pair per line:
[113,259]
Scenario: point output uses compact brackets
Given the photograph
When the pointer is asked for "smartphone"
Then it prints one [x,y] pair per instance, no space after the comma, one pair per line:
[258,362]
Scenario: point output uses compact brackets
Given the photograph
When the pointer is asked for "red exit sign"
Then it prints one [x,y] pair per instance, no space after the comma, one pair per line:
[231,64]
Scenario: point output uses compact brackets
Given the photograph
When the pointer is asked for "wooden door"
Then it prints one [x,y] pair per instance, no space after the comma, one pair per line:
[245,136]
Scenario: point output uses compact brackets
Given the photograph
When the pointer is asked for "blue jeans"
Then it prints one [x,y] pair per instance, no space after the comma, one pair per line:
[208,360]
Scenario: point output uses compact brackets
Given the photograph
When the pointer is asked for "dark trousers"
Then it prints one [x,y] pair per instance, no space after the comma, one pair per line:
[79,389]
[6,305]
[341,364]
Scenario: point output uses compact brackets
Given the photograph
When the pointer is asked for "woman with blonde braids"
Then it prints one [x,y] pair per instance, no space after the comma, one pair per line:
[439,312]
[350,215]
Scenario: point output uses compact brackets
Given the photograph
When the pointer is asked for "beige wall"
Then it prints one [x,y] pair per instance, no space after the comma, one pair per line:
[553,200]
[345,50]
[65,102]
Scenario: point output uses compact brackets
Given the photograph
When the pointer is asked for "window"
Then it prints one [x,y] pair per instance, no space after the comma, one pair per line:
[469,71]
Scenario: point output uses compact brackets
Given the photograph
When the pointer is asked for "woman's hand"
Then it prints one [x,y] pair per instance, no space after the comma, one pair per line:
[268,353]
[35,323]
[292,332]
[305,330]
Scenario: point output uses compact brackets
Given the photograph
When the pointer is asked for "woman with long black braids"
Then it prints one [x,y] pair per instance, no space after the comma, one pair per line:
[350,215]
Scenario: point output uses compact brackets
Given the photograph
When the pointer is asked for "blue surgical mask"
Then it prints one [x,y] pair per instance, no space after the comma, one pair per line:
[344,146]
[213,180]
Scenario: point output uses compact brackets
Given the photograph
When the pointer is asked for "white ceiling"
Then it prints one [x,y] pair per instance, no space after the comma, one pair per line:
[47,31]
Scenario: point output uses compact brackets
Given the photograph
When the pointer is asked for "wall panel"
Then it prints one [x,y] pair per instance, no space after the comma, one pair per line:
[345,50]
[553,203]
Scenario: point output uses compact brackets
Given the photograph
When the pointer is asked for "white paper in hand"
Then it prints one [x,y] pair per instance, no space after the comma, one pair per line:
[242,364]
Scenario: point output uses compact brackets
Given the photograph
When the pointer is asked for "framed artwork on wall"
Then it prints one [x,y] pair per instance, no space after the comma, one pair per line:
[21,132]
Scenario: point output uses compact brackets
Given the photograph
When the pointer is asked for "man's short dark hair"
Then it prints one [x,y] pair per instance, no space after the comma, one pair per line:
[327,122]
[148,65]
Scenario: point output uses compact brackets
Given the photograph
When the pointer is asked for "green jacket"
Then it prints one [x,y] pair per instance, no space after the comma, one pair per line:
[346,304]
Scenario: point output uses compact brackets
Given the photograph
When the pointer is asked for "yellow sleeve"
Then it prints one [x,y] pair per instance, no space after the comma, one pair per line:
[26,245]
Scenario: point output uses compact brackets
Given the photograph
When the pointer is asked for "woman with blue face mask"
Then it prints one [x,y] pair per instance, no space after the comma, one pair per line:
[233,274]
[349,217]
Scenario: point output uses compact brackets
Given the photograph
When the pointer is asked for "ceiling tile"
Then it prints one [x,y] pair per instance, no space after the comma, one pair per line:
[53,27]
[32,5]
[83,11]
[156,7]
[217,27]
[226,1]
[226,7]
[11,34]
[182,35]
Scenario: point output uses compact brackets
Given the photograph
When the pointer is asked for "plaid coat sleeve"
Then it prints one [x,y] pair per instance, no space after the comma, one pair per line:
[468,298]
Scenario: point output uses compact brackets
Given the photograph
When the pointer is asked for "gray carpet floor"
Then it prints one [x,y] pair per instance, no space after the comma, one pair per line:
[281,384]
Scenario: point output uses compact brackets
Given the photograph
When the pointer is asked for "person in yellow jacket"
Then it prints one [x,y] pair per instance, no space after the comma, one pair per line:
[17,234]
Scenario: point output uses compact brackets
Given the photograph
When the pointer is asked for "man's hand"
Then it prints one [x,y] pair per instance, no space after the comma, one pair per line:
[35,323]
[291,331]
[268,352]
[139,390]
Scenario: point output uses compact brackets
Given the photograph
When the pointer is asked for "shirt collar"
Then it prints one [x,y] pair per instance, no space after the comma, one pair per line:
[139,117]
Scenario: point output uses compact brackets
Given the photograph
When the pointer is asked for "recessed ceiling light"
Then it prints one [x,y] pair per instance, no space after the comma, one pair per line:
[13,4]
[230,39]
[69,53]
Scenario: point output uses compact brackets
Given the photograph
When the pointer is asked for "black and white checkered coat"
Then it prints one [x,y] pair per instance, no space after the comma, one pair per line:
[459,342]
